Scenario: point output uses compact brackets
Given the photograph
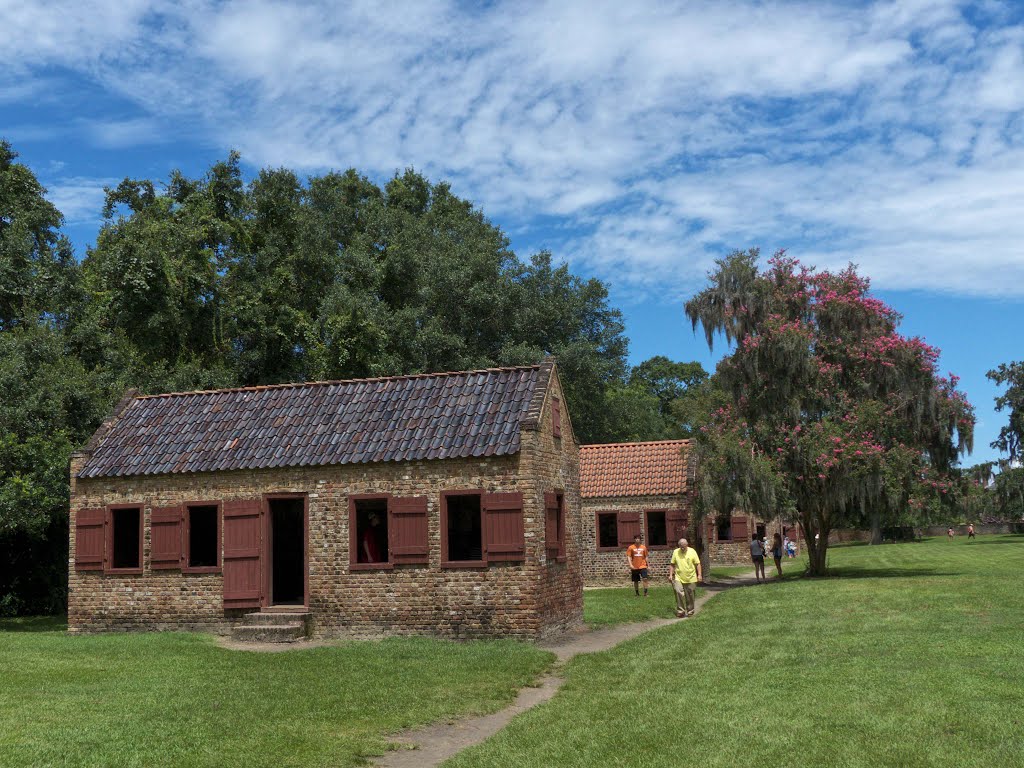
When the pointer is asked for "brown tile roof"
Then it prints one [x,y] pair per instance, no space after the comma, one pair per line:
[403,418]
[634,469]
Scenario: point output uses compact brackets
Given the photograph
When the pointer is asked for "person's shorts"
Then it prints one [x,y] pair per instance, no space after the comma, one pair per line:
[758,559]
[639,573]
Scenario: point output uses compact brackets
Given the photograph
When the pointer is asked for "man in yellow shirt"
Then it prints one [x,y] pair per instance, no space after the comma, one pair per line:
[684,572]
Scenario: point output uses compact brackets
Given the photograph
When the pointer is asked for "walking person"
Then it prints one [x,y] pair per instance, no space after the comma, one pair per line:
[950,532]
[970,531]
[777,553]
[684,572]
[636,557]
[757,555]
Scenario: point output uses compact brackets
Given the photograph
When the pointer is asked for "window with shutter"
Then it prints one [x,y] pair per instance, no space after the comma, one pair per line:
[89,539]
[124,539]
[607,531]
[165,538]
[629,526]
[657,528]
[408,530]
[243,553]
[739,529]
[556,417]
[369,523]
[504,537]
[554,525]
[202,534]
[462,534]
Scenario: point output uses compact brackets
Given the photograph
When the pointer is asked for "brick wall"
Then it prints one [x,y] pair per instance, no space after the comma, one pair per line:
[526,600]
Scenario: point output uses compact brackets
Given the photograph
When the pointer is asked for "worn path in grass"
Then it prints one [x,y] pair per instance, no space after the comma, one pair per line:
[431,746]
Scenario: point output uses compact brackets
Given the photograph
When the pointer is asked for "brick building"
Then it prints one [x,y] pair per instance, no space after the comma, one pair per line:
[647,488]
[441,504]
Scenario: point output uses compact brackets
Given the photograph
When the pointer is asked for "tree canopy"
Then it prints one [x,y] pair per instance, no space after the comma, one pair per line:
[830,410]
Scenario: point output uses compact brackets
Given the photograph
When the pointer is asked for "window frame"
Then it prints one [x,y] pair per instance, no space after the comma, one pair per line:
[186,537]
[597,530]
[108,557]
[556,418]
[353,546]
[647,531]
[482,563]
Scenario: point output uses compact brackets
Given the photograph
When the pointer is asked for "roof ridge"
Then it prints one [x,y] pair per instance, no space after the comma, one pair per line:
[329,382]
[642,442]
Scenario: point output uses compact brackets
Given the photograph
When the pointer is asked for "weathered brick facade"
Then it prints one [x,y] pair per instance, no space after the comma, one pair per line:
[539,596]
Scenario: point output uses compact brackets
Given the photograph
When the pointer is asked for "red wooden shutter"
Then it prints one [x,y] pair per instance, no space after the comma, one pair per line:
[629,526]
[556,417]
[504,538]
[552,536]
[243,549]
[89,539]
[165,538]
[675,526]
[407,530]
[739,529]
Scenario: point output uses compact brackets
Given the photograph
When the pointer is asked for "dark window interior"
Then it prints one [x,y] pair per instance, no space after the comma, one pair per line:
[371,530]
[126,537]
[607,530]
[657,533]
[761,530]
[465,528]
[202,537]
[725,530]
[288,567]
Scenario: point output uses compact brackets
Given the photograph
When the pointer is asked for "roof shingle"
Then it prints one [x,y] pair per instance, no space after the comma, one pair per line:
[403,418]
[634,469]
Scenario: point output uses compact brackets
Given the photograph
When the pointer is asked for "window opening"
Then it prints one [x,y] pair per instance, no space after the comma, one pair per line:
[202,537]
[657,530]
[127,528]
[465,528]
[371,530]
[761,531]
[607,530]
[725,530]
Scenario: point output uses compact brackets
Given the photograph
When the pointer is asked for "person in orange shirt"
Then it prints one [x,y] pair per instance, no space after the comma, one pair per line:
[636,556]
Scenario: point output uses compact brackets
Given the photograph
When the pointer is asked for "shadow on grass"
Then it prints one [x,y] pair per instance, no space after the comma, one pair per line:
[34,624]
[1006,538]
[854,572]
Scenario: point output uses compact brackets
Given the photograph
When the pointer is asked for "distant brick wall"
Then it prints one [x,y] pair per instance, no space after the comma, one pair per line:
[603,567]
[525,600]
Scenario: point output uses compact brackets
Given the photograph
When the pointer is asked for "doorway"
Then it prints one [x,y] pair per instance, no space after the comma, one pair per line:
[287,577]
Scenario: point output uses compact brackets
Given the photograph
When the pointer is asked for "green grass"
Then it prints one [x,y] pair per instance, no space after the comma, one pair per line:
[910,656]
[179,700]
[620,605]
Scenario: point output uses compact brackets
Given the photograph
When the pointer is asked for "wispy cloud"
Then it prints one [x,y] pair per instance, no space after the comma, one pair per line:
[79,199]
[655,137]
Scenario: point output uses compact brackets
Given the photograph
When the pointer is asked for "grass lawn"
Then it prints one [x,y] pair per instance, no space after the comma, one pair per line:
[620,605]
[910,656]
[174,699]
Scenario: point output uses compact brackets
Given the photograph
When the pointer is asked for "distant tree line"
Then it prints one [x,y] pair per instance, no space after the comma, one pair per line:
[217,282]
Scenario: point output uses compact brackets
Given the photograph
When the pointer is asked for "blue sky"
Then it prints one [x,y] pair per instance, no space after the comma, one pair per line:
[638,141]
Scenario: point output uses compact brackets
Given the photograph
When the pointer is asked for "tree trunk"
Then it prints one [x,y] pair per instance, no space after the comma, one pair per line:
[816,548]
[876,527]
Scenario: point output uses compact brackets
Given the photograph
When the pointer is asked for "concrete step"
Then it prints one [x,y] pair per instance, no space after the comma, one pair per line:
[269,618]
[269,633]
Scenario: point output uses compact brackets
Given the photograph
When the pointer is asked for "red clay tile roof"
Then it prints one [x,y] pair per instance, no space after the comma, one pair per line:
[404,418]
[634,469]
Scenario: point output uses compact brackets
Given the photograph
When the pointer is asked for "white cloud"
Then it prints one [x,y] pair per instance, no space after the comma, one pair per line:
[80,199]
[654,137]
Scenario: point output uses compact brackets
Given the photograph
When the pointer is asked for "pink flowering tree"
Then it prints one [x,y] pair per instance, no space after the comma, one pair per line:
[834,416]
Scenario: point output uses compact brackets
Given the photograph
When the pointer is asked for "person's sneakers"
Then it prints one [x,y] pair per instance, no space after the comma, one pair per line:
[680,614]
[689,613]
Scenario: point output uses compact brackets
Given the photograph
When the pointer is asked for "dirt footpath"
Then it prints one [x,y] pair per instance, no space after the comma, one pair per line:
[431,746]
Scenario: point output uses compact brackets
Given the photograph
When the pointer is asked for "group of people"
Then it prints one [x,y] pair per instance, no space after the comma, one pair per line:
[684,572]
[950,533]
[759,550]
